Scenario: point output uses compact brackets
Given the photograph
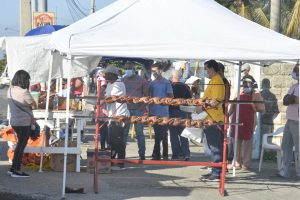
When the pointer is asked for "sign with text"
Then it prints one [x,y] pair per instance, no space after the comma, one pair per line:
[43,19]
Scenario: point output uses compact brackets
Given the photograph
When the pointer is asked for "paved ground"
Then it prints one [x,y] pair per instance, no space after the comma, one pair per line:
[150,182]
[146,182]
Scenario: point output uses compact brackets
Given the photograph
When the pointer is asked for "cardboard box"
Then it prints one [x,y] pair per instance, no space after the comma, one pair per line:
[62,104]
[104,167]
[57,160]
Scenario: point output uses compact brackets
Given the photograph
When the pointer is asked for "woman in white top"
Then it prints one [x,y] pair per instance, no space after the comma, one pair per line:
[21,104]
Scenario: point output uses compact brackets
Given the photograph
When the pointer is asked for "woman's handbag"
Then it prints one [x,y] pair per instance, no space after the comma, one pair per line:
[289,98]
[35,128]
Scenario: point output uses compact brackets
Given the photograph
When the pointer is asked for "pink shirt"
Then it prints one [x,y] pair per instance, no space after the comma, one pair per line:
[292,111]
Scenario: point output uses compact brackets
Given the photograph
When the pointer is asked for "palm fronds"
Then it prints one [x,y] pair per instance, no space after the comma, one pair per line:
[293,29]
[259,17]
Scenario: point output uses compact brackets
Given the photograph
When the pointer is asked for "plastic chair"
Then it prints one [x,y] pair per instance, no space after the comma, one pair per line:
[271,146]
[278,133]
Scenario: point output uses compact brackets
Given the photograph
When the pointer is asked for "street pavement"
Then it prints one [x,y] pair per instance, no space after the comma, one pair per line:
[149,182]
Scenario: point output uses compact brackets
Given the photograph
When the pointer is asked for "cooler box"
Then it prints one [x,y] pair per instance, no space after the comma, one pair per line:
[104,167]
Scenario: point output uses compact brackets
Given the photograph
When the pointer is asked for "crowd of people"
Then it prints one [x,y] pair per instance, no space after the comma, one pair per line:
[114,135]
[134,85]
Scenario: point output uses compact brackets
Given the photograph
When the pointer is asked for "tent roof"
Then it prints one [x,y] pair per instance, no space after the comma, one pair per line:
[30,54]
[189,29]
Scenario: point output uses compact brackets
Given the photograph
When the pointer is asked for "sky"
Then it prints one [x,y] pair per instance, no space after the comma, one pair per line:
[10,18]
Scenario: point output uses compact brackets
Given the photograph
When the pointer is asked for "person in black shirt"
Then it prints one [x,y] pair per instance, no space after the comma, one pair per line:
[179,144]
[227,96]
[226,84]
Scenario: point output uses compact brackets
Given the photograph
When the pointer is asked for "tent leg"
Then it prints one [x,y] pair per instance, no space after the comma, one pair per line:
[46,116]
[97,131]
[237,118]
[224,162]
[67,130]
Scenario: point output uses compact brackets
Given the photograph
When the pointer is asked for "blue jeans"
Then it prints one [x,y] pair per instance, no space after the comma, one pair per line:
[179,144]
[138,132]
[215,139]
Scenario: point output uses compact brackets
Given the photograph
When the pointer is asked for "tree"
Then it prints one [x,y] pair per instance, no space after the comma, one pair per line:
[250,9]
[3,63]
[259,12]
[275,15]
[293,29]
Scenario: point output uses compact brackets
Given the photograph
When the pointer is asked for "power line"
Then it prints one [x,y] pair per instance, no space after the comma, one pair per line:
[77,8]
[82,7]
[76,15]
[68,4]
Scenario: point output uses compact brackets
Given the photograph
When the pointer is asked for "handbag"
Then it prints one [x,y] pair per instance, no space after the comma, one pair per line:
[35,127]
[35,130]
[289,98]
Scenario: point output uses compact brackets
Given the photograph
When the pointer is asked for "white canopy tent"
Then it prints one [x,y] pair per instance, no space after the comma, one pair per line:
[189,29]
[173,29]
[31,54]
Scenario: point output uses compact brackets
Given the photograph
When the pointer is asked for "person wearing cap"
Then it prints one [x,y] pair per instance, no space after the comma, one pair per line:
[138,87]
[246,71]
[103,130]
[247,116]
[116,134]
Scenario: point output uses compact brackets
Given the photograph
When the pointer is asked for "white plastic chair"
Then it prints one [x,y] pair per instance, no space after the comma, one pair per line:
[276,145]
[271,146]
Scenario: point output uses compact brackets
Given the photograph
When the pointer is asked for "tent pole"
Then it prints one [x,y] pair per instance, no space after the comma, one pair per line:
[224,162]
[67,127]
[237,118]
[96,136]
[47,112]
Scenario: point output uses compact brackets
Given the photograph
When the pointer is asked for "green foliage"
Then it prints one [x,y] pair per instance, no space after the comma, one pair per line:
[293,28]
[259,12]
[3,64]
[259,17]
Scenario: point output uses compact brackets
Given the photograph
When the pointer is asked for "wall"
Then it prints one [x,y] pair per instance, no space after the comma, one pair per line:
[275,81]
